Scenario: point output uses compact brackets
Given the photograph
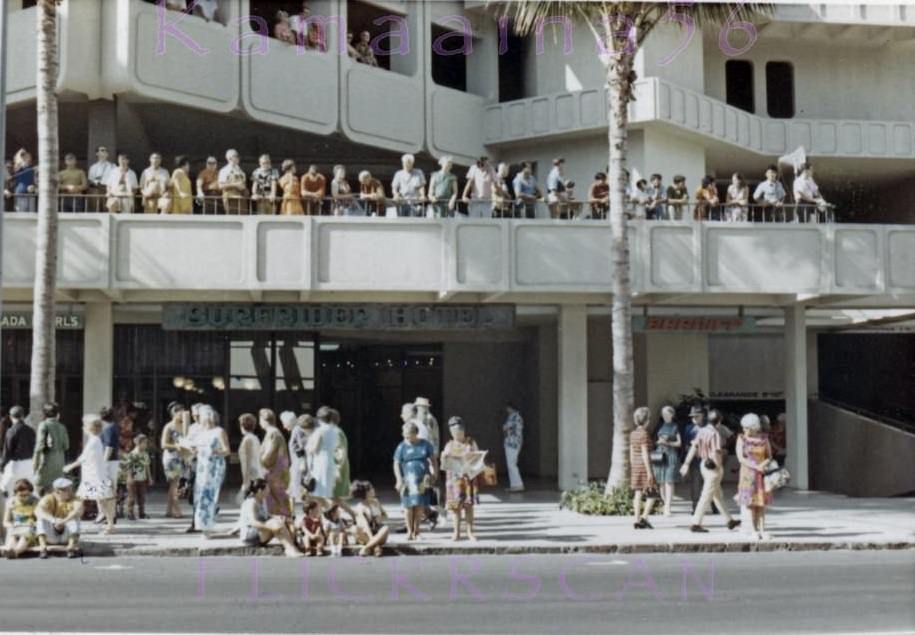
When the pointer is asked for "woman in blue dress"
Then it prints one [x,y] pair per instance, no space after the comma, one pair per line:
[415,470]
[212,446]
[669,442]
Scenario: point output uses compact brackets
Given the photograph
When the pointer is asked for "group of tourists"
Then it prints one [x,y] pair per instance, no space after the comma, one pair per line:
[289,464]
[656,466]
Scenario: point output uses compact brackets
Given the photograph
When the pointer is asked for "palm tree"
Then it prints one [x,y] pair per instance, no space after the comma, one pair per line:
[621,27]
[41,389]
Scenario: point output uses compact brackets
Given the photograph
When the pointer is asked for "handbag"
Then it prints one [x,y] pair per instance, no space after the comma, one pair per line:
[776,477]
[308,482]
[490,477]
[656,456]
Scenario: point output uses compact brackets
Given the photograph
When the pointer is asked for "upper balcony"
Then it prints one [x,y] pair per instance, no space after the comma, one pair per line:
[160,258]
[847,13]
[662,102]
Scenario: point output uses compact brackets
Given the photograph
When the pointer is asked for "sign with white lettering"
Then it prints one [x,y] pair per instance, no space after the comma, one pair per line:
[305,317]
[692,324]
[22,320]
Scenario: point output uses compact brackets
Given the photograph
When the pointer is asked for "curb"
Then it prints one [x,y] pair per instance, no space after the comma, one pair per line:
[99,550]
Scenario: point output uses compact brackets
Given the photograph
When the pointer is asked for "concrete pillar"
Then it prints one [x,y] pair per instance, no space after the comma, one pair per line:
[796,394]
[573,395]
[98,356]
[102,129]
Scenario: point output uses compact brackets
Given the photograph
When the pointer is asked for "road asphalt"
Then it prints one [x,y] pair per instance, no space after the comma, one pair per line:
[783,592]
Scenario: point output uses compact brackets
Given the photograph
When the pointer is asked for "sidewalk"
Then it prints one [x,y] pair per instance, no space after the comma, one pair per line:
[531,522]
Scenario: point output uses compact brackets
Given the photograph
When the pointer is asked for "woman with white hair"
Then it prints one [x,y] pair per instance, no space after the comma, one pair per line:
[669,443]
[754,453]
[341,193]
[641,477]
[212,449]
[94,483]
[443,189]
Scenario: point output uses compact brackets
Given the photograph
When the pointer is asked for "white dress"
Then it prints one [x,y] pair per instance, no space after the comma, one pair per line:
[324,469]
[298,466]
[94,483]
[249,452]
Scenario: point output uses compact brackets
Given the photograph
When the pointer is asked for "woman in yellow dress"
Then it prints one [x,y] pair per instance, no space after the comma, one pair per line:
[182,195]
[292,191]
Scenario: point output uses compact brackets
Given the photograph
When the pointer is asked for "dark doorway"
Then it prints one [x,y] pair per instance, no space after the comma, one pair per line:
[368,383]
[780,90]
[512,70]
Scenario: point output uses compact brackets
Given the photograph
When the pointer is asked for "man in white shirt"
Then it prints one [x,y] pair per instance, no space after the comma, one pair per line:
[479,189]
[98,179]
[806,191]
[154,184]
[770,192]
[407,187]
[233,184]
[122,186]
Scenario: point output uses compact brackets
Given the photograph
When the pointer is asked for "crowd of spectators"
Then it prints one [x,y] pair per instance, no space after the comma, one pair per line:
[489,191]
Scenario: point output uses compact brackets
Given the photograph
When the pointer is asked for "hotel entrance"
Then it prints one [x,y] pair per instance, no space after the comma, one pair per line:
[368,382]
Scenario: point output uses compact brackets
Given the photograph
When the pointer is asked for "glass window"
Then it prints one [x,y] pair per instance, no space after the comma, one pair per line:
[739,84]
[780,90]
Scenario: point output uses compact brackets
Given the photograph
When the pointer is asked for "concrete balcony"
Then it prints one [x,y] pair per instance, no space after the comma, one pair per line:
[659,101]
[141,58]
[847,13]
[78,40]
[153,258]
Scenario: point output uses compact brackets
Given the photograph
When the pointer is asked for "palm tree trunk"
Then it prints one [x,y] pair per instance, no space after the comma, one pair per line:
[41,387]
[619,81]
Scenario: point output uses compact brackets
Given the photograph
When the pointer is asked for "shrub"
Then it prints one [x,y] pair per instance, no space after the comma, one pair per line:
[590,499]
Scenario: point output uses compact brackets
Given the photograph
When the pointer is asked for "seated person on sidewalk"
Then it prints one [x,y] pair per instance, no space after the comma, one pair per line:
[258,527]
[19,519]
[371,532]
[336,529]
[312,533]
[58,515]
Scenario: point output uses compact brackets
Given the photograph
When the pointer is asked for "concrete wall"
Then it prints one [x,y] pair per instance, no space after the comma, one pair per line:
[600,396]
[675,363]
[741,364]
[843,446]
[833,78]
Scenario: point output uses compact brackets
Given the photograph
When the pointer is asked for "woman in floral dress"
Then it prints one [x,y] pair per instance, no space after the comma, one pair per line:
[415,469]
[754,452]
[460,490]
[173,464]
[274,459]
[212,447]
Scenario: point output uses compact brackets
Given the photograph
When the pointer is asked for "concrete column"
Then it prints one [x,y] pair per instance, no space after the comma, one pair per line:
[573,395]
[98,356]
[796,394]
[102,129]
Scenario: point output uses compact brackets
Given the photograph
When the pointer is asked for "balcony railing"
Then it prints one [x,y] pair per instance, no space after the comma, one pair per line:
[573,210]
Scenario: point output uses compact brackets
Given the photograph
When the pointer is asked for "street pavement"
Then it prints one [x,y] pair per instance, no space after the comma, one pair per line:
[531,522]
[796,593]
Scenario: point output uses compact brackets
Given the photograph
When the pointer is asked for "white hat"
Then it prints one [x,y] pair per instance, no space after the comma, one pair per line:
[750,421]
[422,401]
[287,417]
[62,483]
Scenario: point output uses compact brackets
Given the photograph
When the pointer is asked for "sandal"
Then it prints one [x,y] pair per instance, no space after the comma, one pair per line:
[378,552]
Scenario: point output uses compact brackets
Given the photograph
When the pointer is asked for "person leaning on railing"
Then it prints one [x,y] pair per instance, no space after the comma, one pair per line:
[738,199]
[208,187]
[371,194]
[233,183]
[314,188]
[770,194]
[154,183]
[443,189]
[706,198]
[527,192]
[122,187]
[263,186]
[407,187]
[292,190]
[807,193]
[677,198]
[72,180]
[341,193]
